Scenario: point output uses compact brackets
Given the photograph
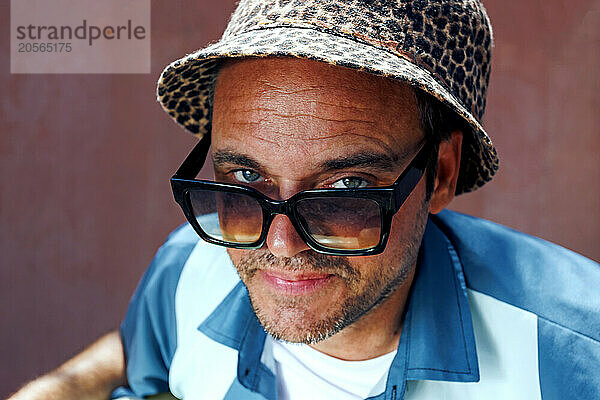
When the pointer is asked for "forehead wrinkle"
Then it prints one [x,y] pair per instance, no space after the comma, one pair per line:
[322,95]
[310,101]
[293,136]
[273,112]
[338,105]
[268,85]
[292,115]
[308,115]
[332,133]
[250,109]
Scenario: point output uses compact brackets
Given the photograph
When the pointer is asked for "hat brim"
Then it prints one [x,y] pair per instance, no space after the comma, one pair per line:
[185,86]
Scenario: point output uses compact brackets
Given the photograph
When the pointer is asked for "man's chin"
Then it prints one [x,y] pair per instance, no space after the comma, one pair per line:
[289,327]
[300,320]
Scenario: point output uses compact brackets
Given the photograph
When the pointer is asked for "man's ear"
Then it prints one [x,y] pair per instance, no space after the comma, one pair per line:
[447,172]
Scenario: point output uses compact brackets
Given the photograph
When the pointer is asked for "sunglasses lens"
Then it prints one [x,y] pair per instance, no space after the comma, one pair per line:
[228,217]
[341,222]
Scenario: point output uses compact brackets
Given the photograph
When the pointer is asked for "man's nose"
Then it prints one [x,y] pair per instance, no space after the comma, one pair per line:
[283,239]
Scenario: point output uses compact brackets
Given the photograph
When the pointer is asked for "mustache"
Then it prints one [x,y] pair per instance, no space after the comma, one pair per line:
[307,261]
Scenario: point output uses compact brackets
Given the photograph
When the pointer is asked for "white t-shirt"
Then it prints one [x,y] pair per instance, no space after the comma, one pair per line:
[305,373]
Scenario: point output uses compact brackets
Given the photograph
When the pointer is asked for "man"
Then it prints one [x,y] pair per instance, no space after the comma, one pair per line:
[328,268]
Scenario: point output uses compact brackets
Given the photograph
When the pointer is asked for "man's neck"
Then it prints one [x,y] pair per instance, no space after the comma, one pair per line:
[375,333]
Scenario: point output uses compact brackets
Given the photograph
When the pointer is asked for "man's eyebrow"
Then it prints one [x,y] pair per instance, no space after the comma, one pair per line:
[377,161]
[231,157]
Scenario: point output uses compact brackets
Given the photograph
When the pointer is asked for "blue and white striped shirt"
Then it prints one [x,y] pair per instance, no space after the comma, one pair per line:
[493,314]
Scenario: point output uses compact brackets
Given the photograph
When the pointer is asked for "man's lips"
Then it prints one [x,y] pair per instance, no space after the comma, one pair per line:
[295,282]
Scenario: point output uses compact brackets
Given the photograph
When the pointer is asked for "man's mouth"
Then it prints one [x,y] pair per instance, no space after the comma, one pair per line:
[295,282]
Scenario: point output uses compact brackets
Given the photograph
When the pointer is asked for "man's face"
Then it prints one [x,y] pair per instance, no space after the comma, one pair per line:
[279,125]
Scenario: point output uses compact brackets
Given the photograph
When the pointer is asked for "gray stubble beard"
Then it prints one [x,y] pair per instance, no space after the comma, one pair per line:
[379,289]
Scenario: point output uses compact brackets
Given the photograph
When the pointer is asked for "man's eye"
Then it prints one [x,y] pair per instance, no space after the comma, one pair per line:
[350,183]
[246,176]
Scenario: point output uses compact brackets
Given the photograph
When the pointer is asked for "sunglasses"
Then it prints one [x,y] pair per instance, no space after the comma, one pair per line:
[332,221]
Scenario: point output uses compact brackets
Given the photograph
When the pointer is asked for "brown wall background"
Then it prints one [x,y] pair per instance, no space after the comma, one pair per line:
[85,162]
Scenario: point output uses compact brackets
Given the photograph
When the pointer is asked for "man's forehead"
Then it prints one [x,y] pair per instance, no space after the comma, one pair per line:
[308,76]
[275,103]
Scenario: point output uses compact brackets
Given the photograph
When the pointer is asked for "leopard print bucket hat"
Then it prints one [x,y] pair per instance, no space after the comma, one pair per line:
[442,47]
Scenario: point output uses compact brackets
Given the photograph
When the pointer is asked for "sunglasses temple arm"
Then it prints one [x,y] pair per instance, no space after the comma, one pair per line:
[194,162]
[408,184]
[411,177]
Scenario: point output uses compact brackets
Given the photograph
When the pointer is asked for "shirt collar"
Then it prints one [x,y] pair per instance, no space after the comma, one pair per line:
[438,325]
[234,324]
[437,340]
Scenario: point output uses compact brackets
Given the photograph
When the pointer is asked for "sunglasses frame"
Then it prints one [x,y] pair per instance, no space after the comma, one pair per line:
[389,198]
